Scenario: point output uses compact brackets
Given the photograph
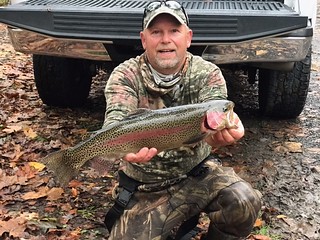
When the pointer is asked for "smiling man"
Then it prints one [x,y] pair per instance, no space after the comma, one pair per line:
[162,194]
[165,40]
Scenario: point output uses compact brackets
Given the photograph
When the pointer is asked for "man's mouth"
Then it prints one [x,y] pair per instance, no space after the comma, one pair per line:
[166,51]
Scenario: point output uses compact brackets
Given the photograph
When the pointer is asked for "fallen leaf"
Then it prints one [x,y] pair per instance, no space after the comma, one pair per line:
[294,147]
[281,216]
[260,237]
[74,192]
[38,166]
[14,226]
[261,52]
[6,181]
[43,191]
[259,223]
[29,132]
[54,194]
[12,129]
[314,150]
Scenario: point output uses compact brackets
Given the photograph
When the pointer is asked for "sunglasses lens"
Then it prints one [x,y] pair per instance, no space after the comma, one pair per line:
[153,6]
[173,5]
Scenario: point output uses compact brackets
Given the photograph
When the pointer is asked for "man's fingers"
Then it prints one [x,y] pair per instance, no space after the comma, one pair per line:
[144,155]
[151,153]
[224,137]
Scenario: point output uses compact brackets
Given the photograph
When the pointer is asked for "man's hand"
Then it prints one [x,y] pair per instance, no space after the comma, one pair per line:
[144,155]
[226,136]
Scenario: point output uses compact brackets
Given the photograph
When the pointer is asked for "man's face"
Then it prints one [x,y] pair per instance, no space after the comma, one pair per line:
[166,42]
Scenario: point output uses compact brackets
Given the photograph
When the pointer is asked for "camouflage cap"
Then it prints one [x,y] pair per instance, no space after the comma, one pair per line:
[169,7]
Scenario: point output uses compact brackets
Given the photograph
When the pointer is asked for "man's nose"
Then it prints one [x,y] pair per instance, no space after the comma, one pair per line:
[166,38]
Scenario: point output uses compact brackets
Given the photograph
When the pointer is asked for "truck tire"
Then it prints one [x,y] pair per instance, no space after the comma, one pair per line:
[62,82]
[283,94]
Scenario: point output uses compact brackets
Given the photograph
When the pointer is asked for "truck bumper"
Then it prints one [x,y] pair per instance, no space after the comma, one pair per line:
[273,49]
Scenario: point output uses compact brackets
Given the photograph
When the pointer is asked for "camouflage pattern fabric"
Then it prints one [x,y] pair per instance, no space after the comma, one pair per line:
[131,86]
[231,203]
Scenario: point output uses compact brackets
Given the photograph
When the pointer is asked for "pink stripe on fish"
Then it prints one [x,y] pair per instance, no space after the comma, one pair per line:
[143,135]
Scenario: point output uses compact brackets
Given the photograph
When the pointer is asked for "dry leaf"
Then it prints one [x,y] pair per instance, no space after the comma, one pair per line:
[29,132]
[314,150]
[55,194]
[261,52]
[12,129]
[259,223]
[14,226]
[38,166]
[74,192]
[43,191]
[294,147]
[281,216]
[261,237]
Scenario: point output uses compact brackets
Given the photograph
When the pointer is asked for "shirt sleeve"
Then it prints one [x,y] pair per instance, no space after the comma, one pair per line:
[214,86]
[206,80]
[120,93]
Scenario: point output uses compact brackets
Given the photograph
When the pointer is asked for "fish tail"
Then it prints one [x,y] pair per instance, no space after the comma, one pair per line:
[59,164]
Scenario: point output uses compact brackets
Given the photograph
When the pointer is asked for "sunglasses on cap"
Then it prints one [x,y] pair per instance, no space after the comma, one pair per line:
[170,4]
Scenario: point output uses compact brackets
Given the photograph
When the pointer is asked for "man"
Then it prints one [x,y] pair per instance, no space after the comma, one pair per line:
[165,190]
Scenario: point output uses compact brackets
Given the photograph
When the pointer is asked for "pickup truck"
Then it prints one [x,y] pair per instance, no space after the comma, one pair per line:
[70,39]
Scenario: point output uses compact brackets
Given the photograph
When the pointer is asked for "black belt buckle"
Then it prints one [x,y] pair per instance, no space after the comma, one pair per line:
[124,197]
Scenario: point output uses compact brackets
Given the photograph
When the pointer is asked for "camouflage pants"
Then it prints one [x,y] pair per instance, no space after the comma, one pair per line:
[231,203]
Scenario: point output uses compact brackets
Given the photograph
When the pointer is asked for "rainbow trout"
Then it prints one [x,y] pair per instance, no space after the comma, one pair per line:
[163,129]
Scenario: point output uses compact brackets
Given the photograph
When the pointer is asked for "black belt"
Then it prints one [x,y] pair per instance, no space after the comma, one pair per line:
[129,186]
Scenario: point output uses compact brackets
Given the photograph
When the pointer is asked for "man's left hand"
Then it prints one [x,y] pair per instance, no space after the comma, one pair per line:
[226,136]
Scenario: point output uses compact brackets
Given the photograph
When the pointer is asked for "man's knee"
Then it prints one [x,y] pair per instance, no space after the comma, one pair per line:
[238,206]
[240,200]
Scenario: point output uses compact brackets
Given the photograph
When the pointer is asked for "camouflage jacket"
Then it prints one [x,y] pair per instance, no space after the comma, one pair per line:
[131,86]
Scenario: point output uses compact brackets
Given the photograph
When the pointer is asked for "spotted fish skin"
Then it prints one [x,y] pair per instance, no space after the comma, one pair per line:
[163,129]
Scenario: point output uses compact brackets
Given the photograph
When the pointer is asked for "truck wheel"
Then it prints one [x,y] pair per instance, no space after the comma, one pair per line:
[283,94]
[62,82]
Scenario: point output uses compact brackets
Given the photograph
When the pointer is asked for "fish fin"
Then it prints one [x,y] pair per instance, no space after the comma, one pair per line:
[60,166]
[101,164]
[136,113]
[196,139]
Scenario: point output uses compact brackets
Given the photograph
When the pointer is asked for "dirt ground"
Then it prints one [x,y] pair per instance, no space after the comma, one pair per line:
[288,178]
[280,158]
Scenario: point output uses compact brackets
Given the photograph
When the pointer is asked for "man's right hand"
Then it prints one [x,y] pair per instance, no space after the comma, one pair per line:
[144,155]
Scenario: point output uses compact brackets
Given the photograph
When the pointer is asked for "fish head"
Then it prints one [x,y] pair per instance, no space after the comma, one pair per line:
[219,116]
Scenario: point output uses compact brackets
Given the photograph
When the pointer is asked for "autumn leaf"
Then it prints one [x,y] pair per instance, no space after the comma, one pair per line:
[29,132]
[6,181]
[287,147]
[54,194]
[294,147]
[259,237]
[261,52]
[12,129]
[36,165]
[281,216]
[314,150]
[259,223]
[43,191]
[14,226]
[74,192]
